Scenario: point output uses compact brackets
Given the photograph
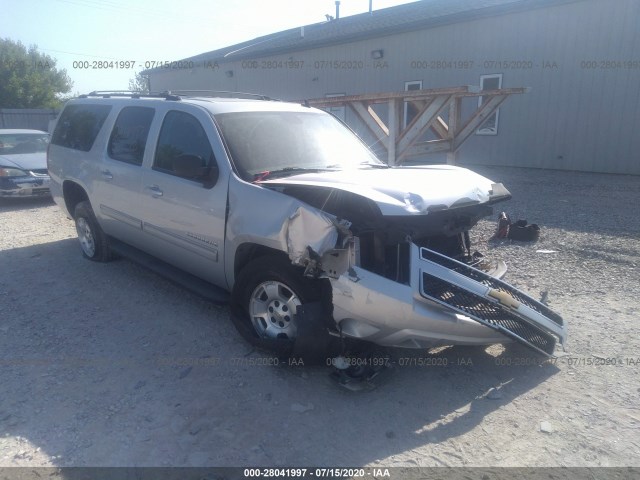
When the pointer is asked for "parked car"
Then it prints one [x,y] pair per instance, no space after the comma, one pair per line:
[23,163]
[287,210]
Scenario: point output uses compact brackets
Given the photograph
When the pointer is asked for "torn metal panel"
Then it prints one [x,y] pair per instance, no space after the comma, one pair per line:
[309,232]
[336,262]
[281,223]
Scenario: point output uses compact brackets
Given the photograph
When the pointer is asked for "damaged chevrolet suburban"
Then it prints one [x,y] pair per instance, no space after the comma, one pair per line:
[284,208]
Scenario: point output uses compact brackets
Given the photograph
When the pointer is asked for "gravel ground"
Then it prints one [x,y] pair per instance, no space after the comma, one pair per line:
[111,365]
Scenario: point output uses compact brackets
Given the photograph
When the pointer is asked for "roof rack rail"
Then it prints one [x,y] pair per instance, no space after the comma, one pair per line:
[219,93]
[129,94]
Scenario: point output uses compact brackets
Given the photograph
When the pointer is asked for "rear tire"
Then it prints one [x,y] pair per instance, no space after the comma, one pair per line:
[94,243]
[264,300]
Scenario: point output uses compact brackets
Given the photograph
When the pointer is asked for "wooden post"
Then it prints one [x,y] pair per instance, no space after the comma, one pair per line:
[455,108]
[393,131]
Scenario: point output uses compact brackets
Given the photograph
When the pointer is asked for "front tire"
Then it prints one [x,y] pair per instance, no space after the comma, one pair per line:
[265,297]
[93,241]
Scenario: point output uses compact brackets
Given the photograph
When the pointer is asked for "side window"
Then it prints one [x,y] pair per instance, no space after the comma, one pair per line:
[489,82]
[182,140]
[79,126]
[129,136]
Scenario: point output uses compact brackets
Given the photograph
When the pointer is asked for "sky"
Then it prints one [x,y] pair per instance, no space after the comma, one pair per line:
[80,33]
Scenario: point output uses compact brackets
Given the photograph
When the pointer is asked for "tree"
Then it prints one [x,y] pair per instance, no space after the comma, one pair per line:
[140,83]
[28,78]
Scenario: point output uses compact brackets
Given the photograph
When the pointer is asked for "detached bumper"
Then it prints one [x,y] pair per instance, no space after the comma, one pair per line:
[27,186]
[446,303]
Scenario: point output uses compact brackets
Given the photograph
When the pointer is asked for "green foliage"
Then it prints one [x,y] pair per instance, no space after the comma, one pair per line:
[140,83]
[28,78]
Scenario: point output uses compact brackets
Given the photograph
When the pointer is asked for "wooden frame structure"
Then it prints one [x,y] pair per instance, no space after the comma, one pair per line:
[403,143]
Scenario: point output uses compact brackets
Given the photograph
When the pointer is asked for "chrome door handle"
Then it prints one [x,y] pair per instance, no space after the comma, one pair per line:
[155,190]
[107,174]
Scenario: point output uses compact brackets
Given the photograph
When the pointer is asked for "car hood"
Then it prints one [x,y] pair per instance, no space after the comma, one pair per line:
[25,161]
[406,190]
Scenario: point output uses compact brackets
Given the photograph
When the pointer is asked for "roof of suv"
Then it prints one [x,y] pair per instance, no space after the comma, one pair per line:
[214,104]
[15,131]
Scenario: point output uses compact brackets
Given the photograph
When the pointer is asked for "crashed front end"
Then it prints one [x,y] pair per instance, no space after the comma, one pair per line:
[402,278]
[393,243]
[444,302]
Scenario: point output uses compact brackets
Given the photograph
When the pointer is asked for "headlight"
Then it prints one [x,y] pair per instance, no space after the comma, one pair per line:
[12,172]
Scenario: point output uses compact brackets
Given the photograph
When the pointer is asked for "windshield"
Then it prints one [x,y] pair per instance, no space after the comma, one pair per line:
[263,143]
[14,143]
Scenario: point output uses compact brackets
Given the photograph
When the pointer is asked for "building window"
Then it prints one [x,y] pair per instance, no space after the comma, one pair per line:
[410,110]
[338,111]
[489,82]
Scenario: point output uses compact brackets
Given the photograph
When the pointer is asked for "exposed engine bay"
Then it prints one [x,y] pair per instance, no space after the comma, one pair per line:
[382,242]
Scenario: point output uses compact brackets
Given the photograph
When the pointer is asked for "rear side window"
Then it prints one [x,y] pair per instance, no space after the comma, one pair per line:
[129,136]
[181,134]
[79,126]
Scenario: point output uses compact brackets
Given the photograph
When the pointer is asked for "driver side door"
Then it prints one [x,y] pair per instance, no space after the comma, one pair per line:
[184,219]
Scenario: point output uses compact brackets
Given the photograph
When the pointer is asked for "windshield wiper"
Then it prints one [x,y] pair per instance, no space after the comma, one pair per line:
[375,165]
[258,177]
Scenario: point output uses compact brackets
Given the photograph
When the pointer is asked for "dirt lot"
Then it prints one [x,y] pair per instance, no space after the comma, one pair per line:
[111,365]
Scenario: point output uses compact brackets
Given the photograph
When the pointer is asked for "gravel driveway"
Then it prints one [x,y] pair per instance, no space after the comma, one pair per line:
[111,365]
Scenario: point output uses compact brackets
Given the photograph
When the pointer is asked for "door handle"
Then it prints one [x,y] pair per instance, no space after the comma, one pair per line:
[155,190]
[107,174]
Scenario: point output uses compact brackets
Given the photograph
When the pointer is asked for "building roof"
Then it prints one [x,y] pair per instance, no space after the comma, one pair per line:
[387,21]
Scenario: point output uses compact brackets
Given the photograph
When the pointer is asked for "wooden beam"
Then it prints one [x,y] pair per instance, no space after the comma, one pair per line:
[464,91]
[378,120]
[426,148]
[477,119]
[372,121]
[440,127]
[468,90]
[402,143]
[421,123]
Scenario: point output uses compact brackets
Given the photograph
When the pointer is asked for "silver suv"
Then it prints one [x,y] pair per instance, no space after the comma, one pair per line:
[284,210]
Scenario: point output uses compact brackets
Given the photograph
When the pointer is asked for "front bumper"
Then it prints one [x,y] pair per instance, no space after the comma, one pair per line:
[34,185]
[445,303]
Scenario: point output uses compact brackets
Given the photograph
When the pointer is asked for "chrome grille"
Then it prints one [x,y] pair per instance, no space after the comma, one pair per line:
[489,313]
[491,282]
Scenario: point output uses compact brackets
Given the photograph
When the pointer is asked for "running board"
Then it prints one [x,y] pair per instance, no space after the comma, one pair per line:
[195,285]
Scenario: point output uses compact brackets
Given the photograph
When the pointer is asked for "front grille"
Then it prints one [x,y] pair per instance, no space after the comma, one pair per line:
[491,314]
[491,282]
[40,171]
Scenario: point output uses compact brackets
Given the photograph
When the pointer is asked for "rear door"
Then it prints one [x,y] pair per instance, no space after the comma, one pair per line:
[184,218]
[119,178]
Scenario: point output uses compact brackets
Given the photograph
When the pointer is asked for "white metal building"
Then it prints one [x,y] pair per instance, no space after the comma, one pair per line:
[581,59]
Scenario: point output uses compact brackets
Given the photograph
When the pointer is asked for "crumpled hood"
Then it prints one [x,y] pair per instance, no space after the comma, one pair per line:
[402,190]
[25,161]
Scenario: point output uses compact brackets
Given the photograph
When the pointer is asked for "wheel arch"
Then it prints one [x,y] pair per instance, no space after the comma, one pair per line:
[248,251]
[73,193]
